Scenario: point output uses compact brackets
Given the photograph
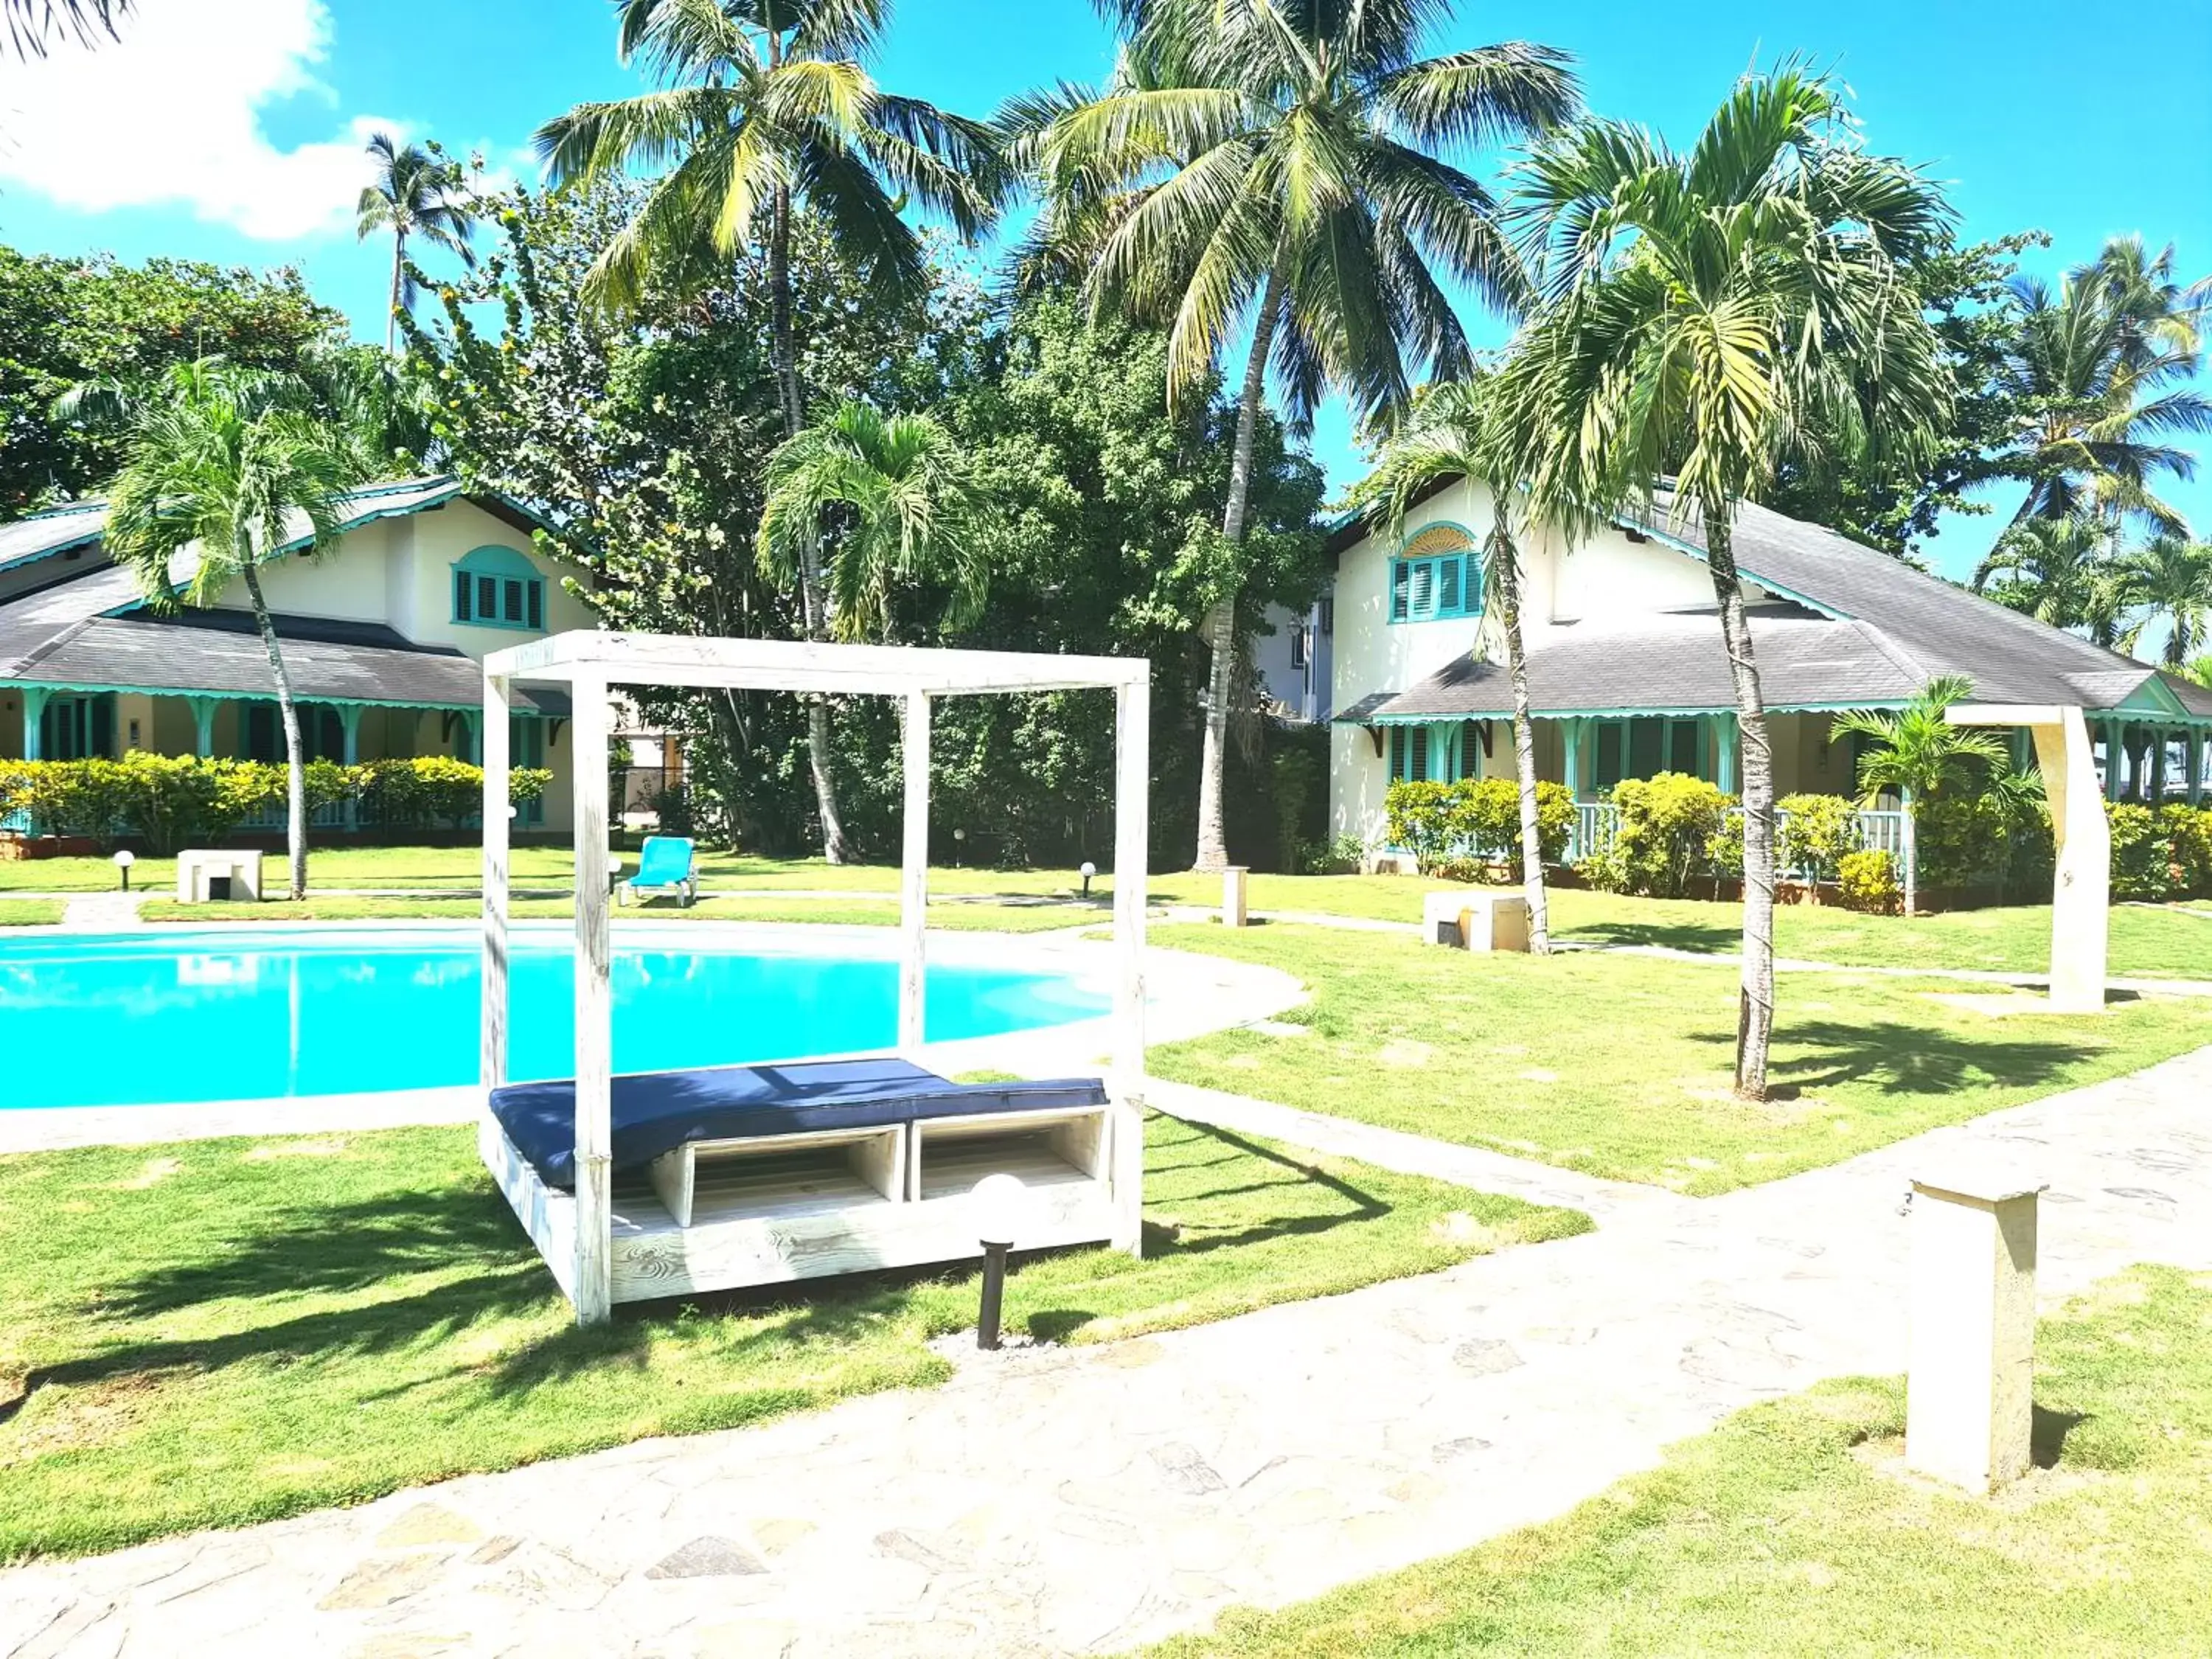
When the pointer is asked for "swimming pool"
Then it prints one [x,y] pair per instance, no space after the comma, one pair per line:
[128,1020]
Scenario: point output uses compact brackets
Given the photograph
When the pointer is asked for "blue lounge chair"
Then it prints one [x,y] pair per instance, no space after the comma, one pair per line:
[664,863]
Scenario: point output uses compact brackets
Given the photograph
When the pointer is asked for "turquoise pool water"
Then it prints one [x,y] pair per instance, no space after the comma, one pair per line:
[133,1019]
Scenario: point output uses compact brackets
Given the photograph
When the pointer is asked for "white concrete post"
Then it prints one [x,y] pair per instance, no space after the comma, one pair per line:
[1233,888]
[491,1069]
[593,1294]
[1970,1396]
[913,878]
[1133,771]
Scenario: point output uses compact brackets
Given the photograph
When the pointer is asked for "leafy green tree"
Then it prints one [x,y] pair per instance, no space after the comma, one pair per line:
[1707,313]
[1279,170]
[2059,571]
[2102,368]
[891,498]
[1917,751]
[417,193]
[64,322]
[2168,580]
[1462,431]
[2199,670]
[764,108]
[228,470]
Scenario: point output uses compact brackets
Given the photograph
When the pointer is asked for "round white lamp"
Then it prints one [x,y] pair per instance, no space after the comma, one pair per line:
[999,1204]
[124,860]
[1088,871]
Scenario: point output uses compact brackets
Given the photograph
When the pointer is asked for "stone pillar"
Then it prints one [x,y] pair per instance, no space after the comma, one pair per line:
[1233,882]
[1969,1400]
[2081,882]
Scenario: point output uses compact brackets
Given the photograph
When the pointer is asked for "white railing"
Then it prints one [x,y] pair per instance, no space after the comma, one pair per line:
[276,819]
[1597,822]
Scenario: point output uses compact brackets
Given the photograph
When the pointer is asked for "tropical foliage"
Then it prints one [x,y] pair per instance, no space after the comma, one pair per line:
[1280,172]
[416,192]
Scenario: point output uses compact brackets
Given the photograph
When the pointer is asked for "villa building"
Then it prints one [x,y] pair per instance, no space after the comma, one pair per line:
[382,634]
[1627,677]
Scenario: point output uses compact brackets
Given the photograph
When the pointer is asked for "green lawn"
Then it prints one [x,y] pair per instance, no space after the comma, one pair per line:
[30,913]
[1791,1529]
[1620,1065]
[859,911]
[215,1333]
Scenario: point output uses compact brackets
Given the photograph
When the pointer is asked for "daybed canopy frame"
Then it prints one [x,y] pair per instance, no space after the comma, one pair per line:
[590,663]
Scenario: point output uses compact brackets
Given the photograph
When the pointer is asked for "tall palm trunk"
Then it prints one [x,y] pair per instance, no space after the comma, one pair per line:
[1220,627]
[813,604]
[398,273]
[295,774]
[1506,571]
[1755,1011]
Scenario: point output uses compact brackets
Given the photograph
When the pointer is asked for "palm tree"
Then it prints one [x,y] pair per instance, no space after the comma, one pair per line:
[2103,365]
[2199,670]
[1276,169]
[1704,313]
[890,496]
[1463,429]
[1918,752]
[416,192]
[764,108]
[31,23]
[227,470]
[2059,571]
[2168,580]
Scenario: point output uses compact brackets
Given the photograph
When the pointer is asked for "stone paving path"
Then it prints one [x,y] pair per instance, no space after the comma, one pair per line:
[102,913]
[1084,1500]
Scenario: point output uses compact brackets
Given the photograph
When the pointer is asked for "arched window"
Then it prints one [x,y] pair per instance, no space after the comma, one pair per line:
[498,587]
[1436,575]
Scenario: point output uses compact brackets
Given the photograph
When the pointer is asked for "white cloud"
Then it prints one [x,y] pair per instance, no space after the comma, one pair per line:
[172,115]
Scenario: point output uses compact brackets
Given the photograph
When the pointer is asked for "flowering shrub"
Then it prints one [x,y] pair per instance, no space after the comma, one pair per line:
[1868,881]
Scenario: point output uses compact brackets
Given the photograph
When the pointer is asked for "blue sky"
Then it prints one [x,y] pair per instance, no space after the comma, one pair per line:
[228,129]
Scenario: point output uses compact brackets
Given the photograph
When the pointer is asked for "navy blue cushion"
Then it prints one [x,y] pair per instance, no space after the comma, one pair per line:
[656,1112]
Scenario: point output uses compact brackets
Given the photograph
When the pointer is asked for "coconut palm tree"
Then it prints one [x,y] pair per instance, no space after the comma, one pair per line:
[1704,313]
[764,109]
[226,473]
[2059,571]
[417,193]
[2199,670]
[31,23]
[1275,169]
[891,499]
[1464,430]
[2104,363]
[2168,580]
[1917,752]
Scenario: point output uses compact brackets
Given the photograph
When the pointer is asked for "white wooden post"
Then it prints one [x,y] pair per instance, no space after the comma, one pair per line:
[1133,771]
[1235,911]
[913,878]
[1969,1395]
[491,1071]
[594,1008]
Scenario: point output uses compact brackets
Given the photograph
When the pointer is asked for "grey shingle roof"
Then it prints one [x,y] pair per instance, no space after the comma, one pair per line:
[53,531]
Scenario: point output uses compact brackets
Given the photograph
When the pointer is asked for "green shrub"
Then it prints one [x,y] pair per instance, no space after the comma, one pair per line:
[173,801]
[2188,832]
[2143,854]
[1958,840]
[1868,881]
[1420,820]
[1817,833]
[1671,828]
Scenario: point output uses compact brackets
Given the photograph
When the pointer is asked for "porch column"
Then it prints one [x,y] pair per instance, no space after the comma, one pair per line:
[1570,738]
[2196,766]
[467,719]
[203,725]
[349,725]
[34,708]
[1727,741]
[2156,771]
[2112,760]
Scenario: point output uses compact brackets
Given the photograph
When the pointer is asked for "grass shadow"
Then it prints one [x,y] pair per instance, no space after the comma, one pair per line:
[1700,937]
[2047,1438]
[1906,1059]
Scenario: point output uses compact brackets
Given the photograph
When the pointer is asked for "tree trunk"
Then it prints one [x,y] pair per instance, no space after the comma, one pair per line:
[1909,844]
[391,316]
[1220,626]
[812,602]
[1506,571]
[295,778]
[1755,1009]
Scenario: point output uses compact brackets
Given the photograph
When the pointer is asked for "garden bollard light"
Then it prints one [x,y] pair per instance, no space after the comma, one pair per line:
[124,860]
[1001,1201]
[1088,871]
[1969,1398]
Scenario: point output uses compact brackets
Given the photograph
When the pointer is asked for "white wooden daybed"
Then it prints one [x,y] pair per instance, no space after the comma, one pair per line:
[751,1208]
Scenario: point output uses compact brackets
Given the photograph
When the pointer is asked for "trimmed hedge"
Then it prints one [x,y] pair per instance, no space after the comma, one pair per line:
[172,801]
[1449,826]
